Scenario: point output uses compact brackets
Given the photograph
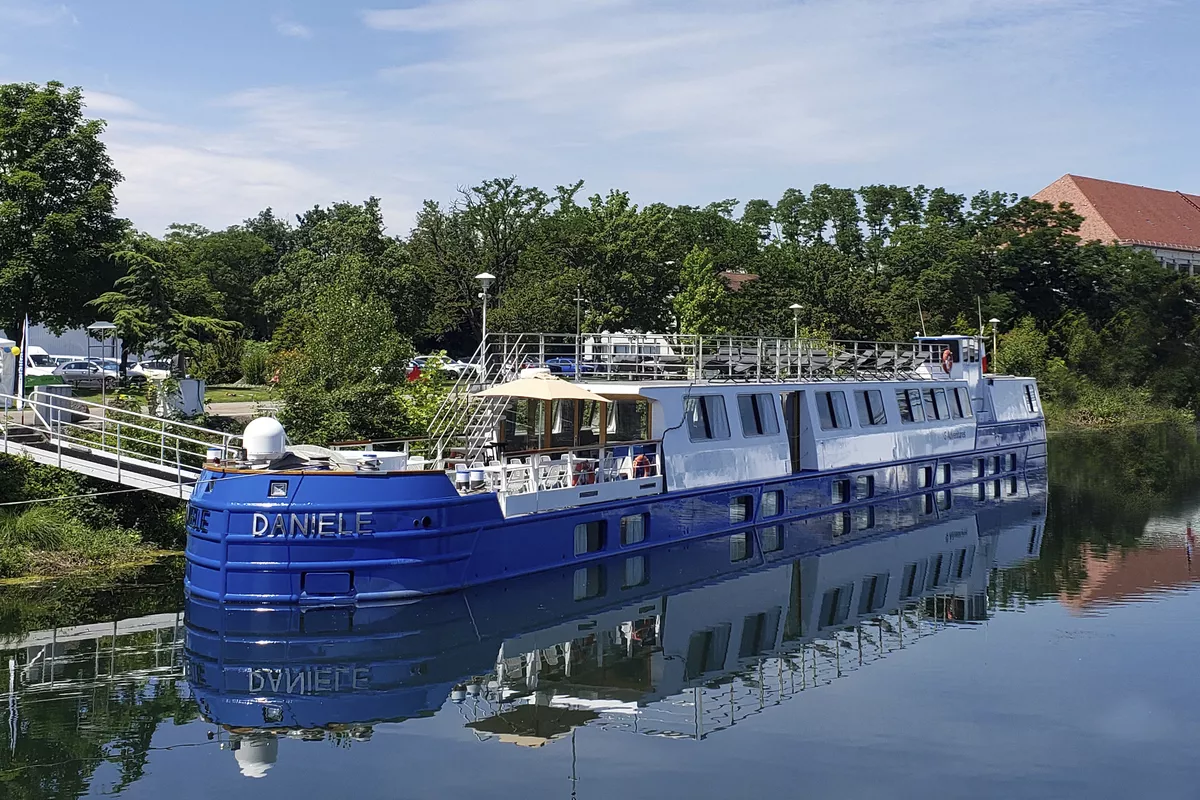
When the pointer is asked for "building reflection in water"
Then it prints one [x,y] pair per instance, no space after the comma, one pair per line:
[681,641]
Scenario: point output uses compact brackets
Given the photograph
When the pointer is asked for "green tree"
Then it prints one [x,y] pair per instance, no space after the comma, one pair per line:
[57,207]
[702,303]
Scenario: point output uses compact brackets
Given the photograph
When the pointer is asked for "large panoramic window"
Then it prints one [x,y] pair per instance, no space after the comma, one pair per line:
[758,414]
[909,401]
[705,417]
[870,407]
[832,409]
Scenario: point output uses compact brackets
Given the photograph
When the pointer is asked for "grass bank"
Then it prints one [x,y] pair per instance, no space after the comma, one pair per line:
[84,530]
[1097,407]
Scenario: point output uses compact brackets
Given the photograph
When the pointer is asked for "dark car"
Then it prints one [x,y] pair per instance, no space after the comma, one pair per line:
[565,365]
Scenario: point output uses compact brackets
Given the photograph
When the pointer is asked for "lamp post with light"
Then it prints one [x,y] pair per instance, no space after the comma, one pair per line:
[995,323]
[486,279]
[796,308]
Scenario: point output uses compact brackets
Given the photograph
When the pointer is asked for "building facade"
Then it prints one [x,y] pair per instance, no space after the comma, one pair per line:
[1166,223]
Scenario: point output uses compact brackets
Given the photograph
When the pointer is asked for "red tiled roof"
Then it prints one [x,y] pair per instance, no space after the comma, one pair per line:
[1129,214]
[736,280]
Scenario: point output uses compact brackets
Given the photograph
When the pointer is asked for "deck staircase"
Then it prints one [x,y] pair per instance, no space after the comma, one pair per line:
[126,447]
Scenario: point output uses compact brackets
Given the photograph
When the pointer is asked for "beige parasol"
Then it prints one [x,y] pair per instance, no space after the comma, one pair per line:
[542,386]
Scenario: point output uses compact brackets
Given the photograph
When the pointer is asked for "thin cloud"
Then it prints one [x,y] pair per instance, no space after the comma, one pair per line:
[111,105]
[34,15]
[293,29]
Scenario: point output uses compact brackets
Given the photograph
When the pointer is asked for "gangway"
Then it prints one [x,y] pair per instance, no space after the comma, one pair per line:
[126,447]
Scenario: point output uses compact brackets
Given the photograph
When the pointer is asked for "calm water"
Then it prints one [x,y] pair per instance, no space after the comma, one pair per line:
[1043,645]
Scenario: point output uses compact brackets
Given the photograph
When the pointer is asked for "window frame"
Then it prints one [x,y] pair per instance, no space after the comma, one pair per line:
[872,413]
[764,420]
[644,518]
[829,404]
[712,422]
[910,413]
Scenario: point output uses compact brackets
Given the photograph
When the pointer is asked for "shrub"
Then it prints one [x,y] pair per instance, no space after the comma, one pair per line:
[254,362]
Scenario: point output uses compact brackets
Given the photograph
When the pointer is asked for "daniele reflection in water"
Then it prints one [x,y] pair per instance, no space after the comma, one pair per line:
[719,628]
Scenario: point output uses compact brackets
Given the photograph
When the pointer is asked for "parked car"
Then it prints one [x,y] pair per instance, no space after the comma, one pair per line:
[87,373]
[149,371]
[450,366]
[565,365]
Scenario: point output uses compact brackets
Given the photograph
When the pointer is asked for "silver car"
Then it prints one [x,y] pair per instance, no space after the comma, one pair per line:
[87,373]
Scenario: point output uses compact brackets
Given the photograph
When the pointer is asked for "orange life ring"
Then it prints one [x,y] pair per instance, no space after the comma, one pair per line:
[583,474]
[947,360]
[641,466]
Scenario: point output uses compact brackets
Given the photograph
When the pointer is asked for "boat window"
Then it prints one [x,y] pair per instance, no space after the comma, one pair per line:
[910,405]
[1012,485]
[740,509]
[840,523]
[996,488]
[758,632]
[927,504]
[1029,401]
[870,407]
[944,474]
[939,402]
[925,476]
[874,593]
[840,493]
[864,518]
[633,529]
[739,547]
[831,406]
[705,415]
[979,473]
[589,422]
[772,538]
[758,414]
[589,582]
[913,580]
[964,402]
[995,464]
[772,503]
[1012,461]
[562,418]
[707,651]
[981,491]
[589,537]
[835,606]
[944,500]
[864,487]
[635,572]
[629,420]
[524,424]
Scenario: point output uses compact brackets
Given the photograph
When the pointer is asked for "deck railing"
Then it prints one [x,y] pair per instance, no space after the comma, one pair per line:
[522,473]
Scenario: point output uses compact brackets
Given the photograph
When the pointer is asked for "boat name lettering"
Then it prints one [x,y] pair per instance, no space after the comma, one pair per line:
[959,434]
[308,680]
[327,524]
[198,518]
[950,537]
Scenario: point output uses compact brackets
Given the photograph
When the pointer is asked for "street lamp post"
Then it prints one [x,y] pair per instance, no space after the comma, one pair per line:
[486,279]
[796,308]
[579,301]
[995,323]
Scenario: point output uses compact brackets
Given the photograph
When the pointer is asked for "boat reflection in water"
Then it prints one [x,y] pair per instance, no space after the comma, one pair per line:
[681,641]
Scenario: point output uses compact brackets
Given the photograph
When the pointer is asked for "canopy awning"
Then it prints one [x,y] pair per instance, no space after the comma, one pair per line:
[542,387]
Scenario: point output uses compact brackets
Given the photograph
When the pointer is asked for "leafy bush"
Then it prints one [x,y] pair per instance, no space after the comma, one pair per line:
[219,361]
[254,362]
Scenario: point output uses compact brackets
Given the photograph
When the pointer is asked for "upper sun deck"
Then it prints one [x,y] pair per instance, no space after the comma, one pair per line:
[641,358]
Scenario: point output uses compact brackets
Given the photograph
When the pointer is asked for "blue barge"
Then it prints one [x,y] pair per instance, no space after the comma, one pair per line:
[666,439]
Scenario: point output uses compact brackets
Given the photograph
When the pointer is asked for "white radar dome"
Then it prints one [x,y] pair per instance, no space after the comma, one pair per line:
[264,439]
[257,754]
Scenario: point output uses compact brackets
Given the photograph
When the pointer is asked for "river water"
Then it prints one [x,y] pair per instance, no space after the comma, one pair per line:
[1038,645]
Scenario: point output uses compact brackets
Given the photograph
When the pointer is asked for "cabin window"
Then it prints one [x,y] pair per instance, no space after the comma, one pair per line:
[1012,462]
[524,425]
[706,651]
[741,509]
[925,476]
[629,420]
[758,633]
[864,518]
[913,580]
[635,572]
[934,401]
[979,473]
[870,407]
[995,488]
[840,523]
[633,529]
[831,407]
[981,491]
[1012,485]
[739,547]
[939,571]
[960,405]
[944,473]
[772,503]
[835,606]
[758,414]
[944,500]
[1030,403]
[772,538]
[995,464]
[705,415]
[589,582]
[910,405]
[873,594]
[864,487]
[589,537]
[840,493]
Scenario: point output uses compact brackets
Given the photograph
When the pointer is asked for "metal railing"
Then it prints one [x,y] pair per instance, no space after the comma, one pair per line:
[173,451]
[560,468]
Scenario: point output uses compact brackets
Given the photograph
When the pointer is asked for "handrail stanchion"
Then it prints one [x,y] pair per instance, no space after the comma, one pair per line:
[118,451]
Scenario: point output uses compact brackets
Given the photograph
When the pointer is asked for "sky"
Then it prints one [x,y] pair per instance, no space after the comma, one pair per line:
[218,109]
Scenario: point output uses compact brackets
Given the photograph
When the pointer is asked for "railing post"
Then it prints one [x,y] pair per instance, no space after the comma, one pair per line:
[118,451]
[178,469]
